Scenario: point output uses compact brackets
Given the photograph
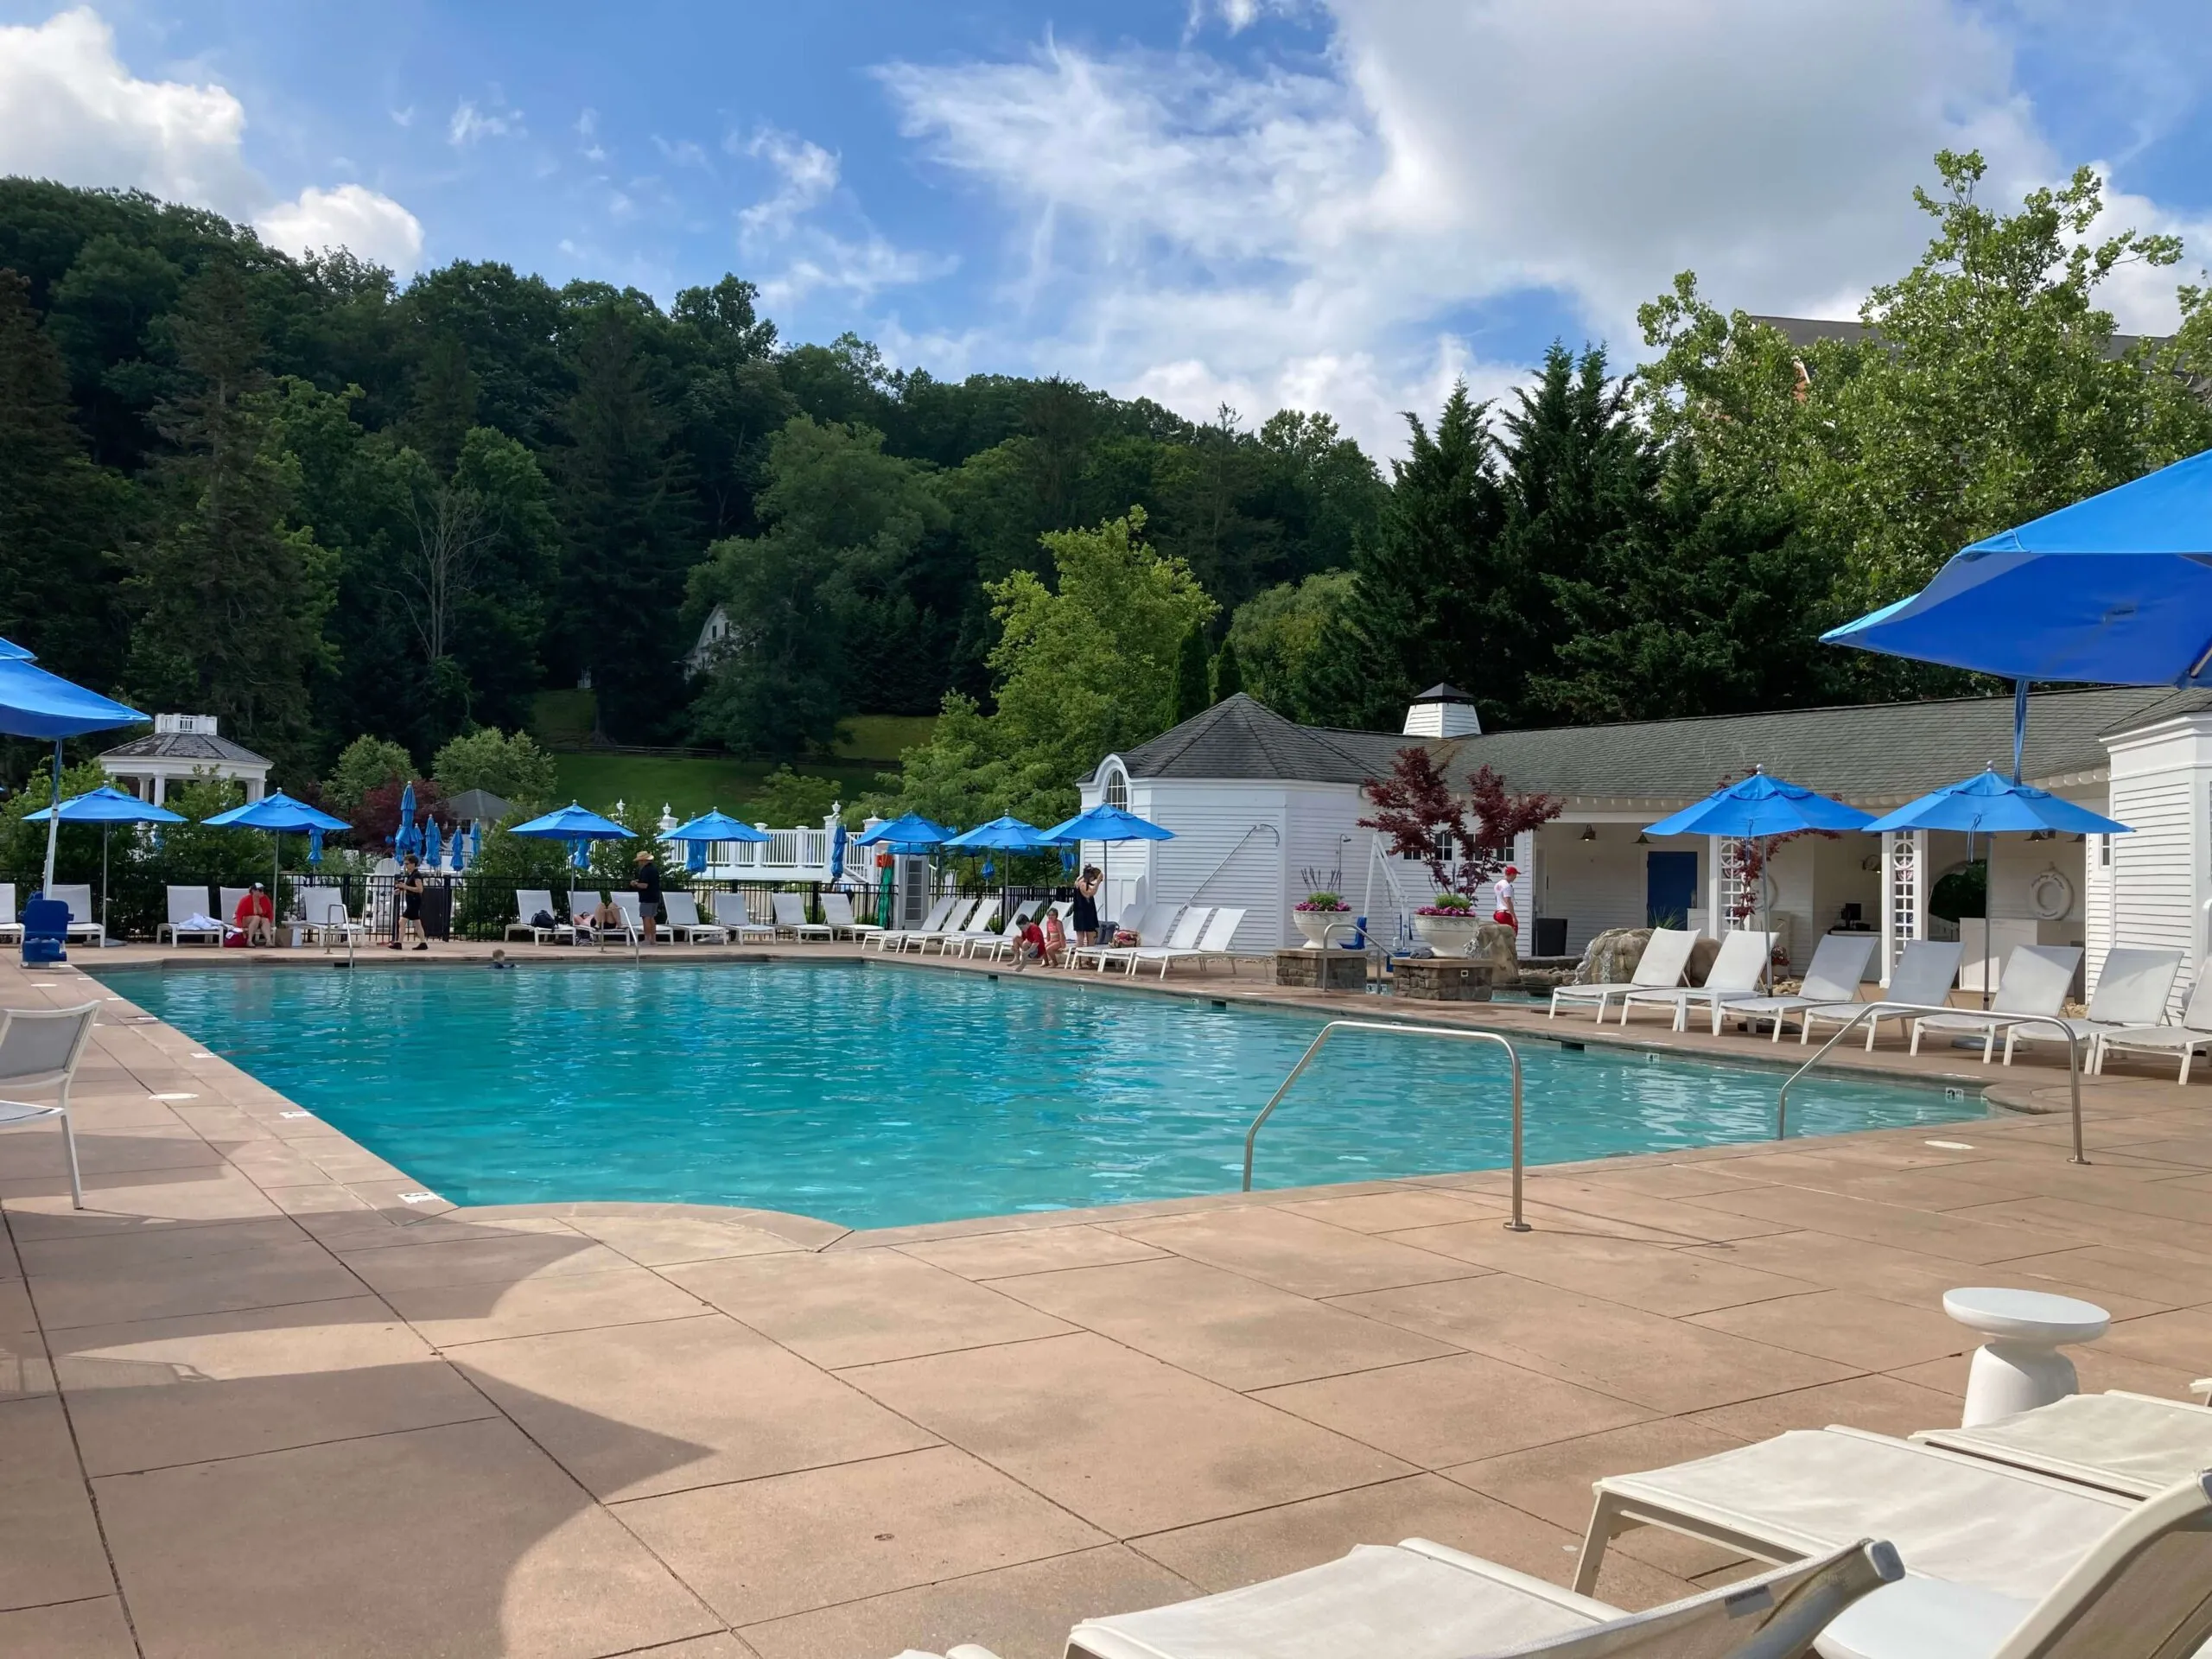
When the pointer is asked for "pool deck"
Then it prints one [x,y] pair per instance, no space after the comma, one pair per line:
[265,1396]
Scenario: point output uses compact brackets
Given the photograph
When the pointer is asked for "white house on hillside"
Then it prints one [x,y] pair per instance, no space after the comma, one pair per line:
[1262,810]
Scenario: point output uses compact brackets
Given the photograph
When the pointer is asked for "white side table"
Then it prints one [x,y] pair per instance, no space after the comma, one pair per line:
[2020,1367]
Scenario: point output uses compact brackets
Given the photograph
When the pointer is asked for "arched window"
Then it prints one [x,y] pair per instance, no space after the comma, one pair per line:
[1117,788]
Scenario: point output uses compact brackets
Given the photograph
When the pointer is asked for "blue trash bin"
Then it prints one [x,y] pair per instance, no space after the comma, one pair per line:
[46,931]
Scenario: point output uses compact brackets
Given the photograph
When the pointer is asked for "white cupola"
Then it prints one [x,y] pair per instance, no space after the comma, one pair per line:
[1442,711]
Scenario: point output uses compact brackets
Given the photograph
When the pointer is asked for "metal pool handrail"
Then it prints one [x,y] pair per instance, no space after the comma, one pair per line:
[1516,1224]
[2073,1057]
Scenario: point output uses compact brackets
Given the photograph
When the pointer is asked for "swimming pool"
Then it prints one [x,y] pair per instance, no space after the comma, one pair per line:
[878,1097]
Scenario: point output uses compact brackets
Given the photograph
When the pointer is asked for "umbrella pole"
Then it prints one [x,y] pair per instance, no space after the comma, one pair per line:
[2020,724]
[104,829]
[53,820]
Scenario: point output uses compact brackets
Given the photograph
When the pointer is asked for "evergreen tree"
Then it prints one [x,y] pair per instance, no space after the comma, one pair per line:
[1190,695]
[1423,579]
[232,601]
[59,513]
[1228,674]
[626,511]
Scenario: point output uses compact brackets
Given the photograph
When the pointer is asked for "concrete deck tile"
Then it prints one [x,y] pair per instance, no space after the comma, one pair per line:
[124,1252]
[267,1276]
[1657,1277]
[504,1259]
[1884,1405]
[1586,1206]
[1295,1253]
[763,1549]
[1672,1180]
[1668,1364]
[1554,1482]
[1905,1277]
[1972,1237]
[186,1390]
[1004,1255]
[605,1402]
[1228,1555]
[40,1209]
[2059,1222]
[1453,1410]
[2181,1338]
[1861,1331]
[2098,1368]
[453,1316]
[1125,1441]
[1397,1211]
[861,1307]
[16,1313]
[71,1630]
[1224,1327]
[721,1646]
[2102,1271]
[661,1241]
[480,1545]
[1018,1612]
[50,1546]
[35,1153]
[24,1368]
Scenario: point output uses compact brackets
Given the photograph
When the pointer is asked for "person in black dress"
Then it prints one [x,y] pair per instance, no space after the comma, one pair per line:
[644,882]
[1083,915]
[410,886]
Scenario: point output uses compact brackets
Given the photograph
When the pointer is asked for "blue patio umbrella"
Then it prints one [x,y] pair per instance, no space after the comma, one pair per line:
[704,831]
[277,813]
[35,703]
[2115,590]
[911,832]
[576,824]
[434,849]
[1007,834]
[1106,825]
[408,839]
[106,806]
[1757,808]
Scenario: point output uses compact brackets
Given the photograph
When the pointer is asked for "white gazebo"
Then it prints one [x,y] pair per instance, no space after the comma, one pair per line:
[181,748]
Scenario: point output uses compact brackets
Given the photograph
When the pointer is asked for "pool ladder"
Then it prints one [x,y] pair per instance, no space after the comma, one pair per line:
[1516,1224]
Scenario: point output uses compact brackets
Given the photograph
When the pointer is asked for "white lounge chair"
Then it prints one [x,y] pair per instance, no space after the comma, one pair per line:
[1189,928]
[919,939]
[188,905]
[790,916]
[731,913]
[2136,1445]
[1666,954]
[1967,1520]
[1735,973]
[323,912]
[537,901]
[1424,1600]
[837,910]
[11,928]
[1839,965]
[1213,944]
[2131,990]
[39,1049]
[2186,1039]
[230,899]
[982,929]
[2142,1590]
[680,915]
[890,937]
[1151,929]
[2036,980]
[991,941]
[78,895]
[1922,978]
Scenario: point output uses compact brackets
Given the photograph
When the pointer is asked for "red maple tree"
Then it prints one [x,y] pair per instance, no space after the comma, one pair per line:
[1465,840]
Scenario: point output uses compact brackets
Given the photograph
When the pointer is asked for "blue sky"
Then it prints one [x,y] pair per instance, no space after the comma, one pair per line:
[1338,204]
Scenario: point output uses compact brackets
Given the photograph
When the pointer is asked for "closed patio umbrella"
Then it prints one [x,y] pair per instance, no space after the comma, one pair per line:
[35,703]
[106,806]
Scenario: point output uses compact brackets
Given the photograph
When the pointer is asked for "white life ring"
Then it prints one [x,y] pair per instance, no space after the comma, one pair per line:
[2050,895]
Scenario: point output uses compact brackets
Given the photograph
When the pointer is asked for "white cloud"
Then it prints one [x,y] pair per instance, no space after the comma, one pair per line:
[1321,228]
[372,225]
[808,173]
[815,257]
[71,110]
[470,125]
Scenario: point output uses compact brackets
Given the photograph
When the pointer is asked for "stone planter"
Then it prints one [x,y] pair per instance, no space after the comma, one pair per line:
[1315,923]
[1441,979]
[1450,936]
[1322,970]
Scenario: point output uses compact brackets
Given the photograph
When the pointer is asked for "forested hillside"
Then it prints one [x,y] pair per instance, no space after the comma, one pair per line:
[296,495]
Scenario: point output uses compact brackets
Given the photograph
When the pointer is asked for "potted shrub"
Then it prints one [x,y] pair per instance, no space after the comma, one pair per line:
[1449,925]
[1318,911]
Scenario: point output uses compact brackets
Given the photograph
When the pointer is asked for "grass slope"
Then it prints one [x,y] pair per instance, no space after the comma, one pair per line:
[689,787]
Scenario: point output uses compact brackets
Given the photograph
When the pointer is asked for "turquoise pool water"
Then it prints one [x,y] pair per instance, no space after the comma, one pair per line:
[878,1097]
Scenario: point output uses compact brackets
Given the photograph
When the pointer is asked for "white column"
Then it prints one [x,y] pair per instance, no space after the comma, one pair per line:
[1716,919]
[1905,894]
[1525,890]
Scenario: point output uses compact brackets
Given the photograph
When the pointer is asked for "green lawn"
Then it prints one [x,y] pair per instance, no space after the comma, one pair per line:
[689,787]
[883,737]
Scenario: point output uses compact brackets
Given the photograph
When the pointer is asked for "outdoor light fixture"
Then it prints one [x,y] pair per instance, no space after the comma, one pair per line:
[1589,832]
[1642,839]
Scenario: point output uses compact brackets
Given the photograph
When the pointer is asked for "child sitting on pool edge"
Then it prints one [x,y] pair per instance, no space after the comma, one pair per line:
[1053,950]
[1028,944]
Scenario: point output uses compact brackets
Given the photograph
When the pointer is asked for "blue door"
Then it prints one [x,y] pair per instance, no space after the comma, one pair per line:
[1669,888]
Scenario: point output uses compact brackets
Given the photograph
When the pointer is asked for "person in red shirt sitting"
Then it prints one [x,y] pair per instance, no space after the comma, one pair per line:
[254,917]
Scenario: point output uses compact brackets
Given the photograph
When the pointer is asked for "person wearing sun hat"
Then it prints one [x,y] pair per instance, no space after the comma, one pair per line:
[644,882]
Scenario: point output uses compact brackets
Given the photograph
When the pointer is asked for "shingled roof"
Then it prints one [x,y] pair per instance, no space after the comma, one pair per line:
[184,746]
[1872,754]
